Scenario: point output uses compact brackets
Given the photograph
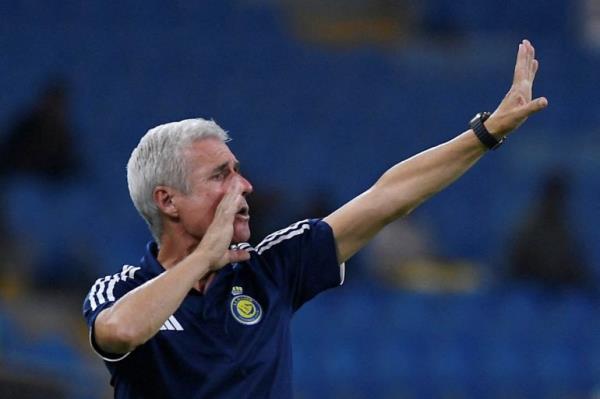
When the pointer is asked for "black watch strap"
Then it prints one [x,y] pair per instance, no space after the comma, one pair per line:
[482,133]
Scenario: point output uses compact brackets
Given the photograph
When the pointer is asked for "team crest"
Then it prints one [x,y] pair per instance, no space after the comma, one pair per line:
[245,309]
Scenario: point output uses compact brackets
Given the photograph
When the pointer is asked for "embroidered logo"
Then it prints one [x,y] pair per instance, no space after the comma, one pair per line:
[171,324]
[245,309]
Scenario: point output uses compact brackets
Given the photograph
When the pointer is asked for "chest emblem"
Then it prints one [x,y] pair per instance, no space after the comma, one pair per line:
[245,309]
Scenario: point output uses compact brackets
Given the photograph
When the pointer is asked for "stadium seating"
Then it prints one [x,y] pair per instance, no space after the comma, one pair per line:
[314,116]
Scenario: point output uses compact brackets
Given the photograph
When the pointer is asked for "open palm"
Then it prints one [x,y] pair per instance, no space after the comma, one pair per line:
[518,105]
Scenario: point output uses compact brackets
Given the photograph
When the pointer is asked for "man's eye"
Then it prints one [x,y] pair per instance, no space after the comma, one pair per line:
[220,176]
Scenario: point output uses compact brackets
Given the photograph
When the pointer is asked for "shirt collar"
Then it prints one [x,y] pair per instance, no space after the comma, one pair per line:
[149,260]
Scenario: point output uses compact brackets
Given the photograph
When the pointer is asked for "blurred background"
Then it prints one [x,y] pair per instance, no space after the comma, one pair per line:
[489,290]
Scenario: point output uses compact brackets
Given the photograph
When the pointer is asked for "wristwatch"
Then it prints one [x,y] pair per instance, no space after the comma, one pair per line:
[482,133]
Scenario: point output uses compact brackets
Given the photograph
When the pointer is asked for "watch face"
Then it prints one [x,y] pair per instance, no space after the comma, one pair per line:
[479,118]
[481,132]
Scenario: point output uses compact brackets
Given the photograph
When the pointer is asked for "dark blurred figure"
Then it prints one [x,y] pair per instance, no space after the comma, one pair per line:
[40,144]
[40,285]
[545,249]
[41,141]
[404,256]
[33,274]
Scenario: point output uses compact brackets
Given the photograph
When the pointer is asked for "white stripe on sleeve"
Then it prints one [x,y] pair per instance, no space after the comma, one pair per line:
[262,248]
[274,235]
[111,286]
[132,271]
[100,294]
[96,295]
[92,295]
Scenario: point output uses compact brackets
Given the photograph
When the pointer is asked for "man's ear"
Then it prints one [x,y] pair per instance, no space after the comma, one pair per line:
[163,198]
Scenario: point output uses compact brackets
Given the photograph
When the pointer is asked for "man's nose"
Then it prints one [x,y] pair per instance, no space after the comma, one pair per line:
[247,186]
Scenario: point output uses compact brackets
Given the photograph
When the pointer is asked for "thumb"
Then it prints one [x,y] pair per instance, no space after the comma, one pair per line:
[534,106]
[238,255]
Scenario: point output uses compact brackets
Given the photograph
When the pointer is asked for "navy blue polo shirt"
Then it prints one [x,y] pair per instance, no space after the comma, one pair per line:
[234,341]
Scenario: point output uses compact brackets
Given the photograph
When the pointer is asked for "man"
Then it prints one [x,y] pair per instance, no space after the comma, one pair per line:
[200,318]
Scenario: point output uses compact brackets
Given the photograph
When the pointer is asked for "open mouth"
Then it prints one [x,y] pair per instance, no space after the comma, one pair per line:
[245,211]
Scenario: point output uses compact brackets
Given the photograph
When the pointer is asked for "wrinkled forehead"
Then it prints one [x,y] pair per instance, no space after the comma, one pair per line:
[205,154]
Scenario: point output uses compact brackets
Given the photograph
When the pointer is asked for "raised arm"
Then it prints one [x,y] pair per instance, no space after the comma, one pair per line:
[407,184]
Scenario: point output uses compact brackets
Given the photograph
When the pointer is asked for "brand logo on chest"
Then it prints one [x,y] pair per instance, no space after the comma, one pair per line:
[171,324]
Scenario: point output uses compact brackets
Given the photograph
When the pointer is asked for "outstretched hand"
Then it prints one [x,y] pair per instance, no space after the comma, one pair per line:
[517,105]
[217,239]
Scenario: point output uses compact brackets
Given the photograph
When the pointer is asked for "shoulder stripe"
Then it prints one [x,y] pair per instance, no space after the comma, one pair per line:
[284,230]
[274,236]
[106,285]
[263,246]
[92,296]
[111,286]
[245,245]
[130,270]
[100,294]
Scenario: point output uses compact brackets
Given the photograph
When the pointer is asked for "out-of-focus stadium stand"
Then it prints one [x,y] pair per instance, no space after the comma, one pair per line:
[305,114]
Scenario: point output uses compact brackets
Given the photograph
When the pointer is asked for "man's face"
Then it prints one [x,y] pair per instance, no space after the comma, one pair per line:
[212,167]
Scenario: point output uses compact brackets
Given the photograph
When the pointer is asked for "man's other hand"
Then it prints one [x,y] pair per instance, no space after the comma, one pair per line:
[517,105]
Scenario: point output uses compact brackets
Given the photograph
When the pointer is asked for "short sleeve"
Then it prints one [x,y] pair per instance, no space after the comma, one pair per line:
[104,293]
[303,258]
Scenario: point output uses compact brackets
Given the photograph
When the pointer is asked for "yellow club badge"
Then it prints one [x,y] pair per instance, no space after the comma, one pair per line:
[245,309]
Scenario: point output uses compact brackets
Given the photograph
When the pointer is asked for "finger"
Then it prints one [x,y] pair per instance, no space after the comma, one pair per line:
[238,255]
[534,68]
[232,192]
[520,64]
[231,202]
[236,190]
[527,46]
[530,51]
[534,106]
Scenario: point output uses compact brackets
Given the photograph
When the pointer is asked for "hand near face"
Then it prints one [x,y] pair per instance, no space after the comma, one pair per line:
[517,105]
[215,243]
